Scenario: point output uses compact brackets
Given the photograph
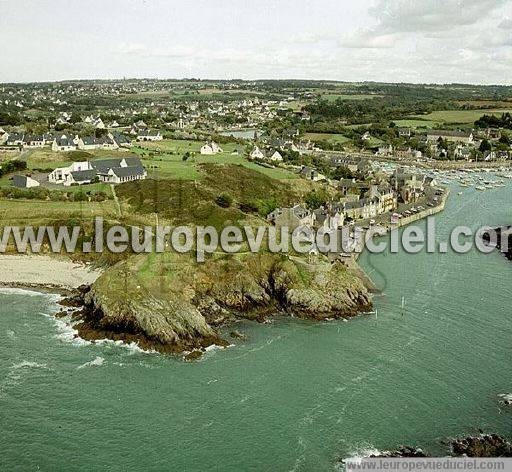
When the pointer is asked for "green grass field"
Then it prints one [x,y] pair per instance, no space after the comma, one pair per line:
[460,116]
[332,138]
[168,160]
[415,123]
[36,212]
[373,141]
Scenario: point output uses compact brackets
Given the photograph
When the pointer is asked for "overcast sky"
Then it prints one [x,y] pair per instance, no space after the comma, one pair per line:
[382,40]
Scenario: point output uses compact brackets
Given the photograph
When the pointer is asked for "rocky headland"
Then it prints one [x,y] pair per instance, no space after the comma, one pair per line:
[182,305]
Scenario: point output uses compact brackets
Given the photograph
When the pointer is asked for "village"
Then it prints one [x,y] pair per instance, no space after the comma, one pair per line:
[94,135]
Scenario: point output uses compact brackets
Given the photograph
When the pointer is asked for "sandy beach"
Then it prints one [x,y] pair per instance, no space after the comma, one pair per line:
[44,271]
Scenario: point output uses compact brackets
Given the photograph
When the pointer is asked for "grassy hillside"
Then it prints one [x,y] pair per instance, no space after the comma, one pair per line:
[164,159]
[194,202]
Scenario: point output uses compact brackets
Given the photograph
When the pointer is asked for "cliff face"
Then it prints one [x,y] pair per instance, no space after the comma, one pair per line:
[179,309]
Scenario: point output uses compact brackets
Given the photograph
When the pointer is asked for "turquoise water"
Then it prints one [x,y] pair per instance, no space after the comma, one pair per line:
[296,396]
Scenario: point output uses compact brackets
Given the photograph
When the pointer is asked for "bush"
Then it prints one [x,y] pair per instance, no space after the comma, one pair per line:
[267,206]
[224,200]
[249,207]
[12,166]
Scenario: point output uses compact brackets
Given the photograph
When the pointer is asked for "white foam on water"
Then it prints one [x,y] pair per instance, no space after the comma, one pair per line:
[10,334]
[16,373]
[214,347]
[132,347]
[67,333]
[27,364]
[98,361]
[361,453]
[507,397]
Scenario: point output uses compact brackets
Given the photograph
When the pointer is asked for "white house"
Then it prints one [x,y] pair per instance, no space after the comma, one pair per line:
[276,157]
[33,141]
[90,142]
[113,171]
[63,143]
[329,219]
[257,153]
[210,148]
[15,139]
[63,175]
[98,123]
[148,135]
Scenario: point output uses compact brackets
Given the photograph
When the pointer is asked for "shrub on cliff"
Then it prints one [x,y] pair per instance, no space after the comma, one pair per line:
[224,200]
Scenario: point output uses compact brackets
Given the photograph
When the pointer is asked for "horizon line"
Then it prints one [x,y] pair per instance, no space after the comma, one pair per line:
[198,79]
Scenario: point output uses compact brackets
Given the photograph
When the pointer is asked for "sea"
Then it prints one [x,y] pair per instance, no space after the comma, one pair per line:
[295,396]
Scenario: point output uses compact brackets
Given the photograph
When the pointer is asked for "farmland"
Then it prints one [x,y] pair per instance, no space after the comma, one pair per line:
[331,138]
[460,116]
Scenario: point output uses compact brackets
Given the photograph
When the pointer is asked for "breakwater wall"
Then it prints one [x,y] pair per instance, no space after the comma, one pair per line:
[405,221]
[424,213]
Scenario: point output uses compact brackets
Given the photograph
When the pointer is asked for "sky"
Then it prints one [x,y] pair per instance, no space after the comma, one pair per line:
[420,41]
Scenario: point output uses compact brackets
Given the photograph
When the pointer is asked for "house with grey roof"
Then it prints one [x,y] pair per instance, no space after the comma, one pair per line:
[63,143]
[15,139]
[311,174]
[292,217]
[112,171]
[121,140]
[89,143]
[148,135]
[23,181]
[32,141]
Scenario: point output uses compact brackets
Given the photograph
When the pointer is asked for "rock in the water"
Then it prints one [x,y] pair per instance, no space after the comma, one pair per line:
[485,445]
[237,334]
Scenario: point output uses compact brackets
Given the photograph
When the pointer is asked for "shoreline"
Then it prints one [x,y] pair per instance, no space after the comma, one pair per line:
[45,273]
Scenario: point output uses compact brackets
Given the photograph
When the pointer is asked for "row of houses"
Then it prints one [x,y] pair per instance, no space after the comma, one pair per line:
[377,200]
[330,217]
[70,142]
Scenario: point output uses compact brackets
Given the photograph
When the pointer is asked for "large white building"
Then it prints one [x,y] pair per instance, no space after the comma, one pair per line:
[114,171]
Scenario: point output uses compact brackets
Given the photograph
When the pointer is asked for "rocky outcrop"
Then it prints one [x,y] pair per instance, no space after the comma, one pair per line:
[181,311]
[158,324]
[485,445]
[503,240]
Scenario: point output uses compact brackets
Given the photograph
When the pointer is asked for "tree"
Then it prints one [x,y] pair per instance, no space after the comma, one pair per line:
[505,139]
[342,172]
[316,199]
[485,146]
